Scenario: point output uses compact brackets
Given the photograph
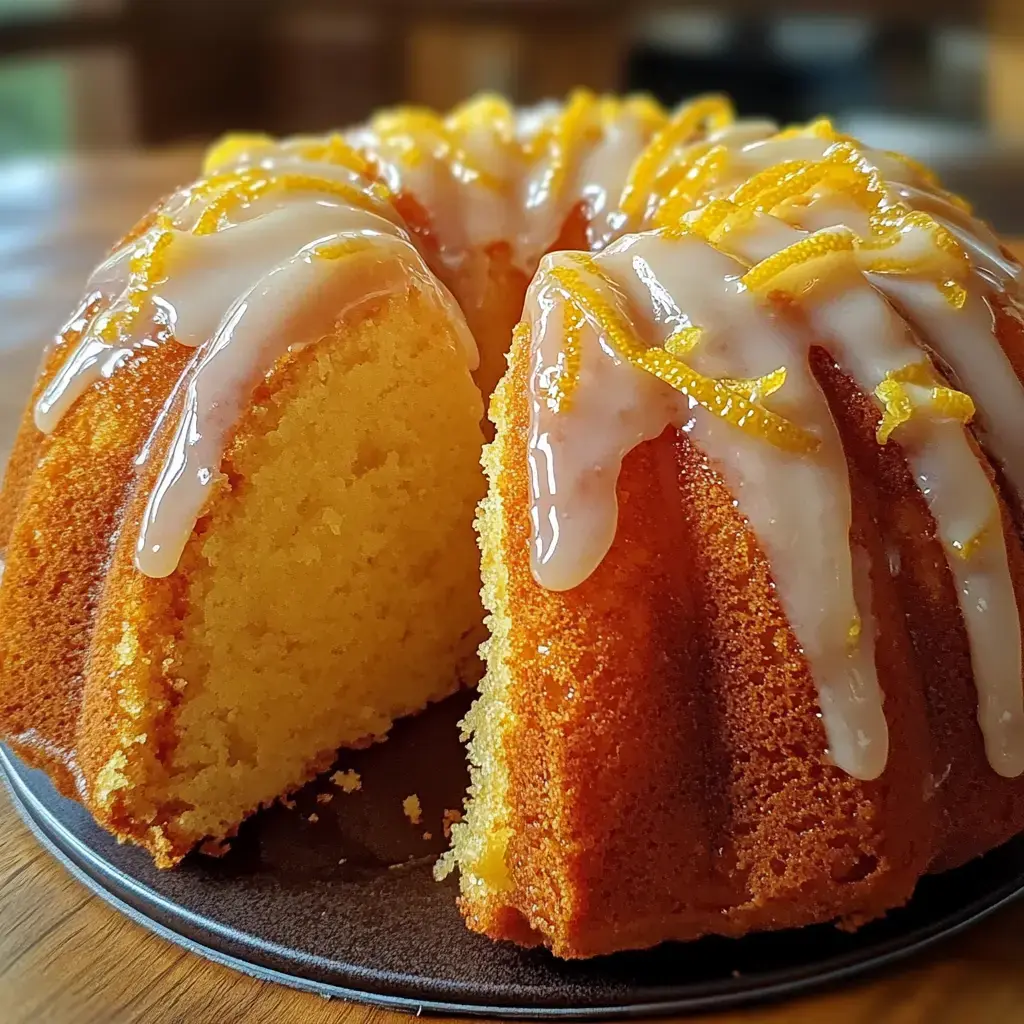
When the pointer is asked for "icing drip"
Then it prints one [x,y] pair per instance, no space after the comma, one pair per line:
[487,173]
[244,266]
[797,502]
[241,252]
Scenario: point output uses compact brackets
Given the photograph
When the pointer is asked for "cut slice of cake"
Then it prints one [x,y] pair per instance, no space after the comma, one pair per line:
[228,559]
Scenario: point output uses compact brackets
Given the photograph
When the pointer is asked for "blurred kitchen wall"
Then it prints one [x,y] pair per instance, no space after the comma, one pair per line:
[942,79]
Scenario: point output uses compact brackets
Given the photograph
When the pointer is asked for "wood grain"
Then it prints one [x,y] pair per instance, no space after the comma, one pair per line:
[65,956]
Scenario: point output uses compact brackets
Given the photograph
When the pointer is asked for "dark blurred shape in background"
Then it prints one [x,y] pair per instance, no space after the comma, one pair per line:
[940,79]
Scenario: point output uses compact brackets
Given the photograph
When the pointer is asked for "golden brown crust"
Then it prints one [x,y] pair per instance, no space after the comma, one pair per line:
[667,768]
[69,488]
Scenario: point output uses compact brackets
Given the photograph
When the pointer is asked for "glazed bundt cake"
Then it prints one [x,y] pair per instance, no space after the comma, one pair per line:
[752,546]
[752,554]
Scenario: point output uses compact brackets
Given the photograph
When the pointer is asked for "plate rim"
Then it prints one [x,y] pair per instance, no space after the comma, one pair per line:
[111,884]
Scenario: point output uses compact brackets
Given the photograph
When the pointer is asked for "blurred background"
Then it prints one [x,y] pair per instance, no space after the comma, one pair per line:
[941,79]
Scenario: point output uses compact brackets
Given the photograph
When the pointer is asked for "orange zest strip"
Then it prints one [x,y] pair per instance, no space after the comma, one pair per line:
[754,389]
[645,108]
[229,148]
[561,136]
[249,186]
[489,112]
[682,197]
[914,389]
[813,247]
[683,341]
[335,150]
[343,247]
[146,268]
[692,120]
[417,131]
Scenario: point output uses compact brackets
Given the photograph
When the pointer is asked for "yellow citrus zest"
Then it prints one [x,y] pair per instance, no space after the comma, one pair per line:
[896,405]
[914,389]
[229,148]
[146,268]
[695,181]
[770,178]
[249,186]
[416,131]
[335,150]
[813,247]
[711,218]
[343,247]
[715,396]
[682,341]
[692,120]
[486,111]
[954,293]
[561,136]
[646,109]
[755,389]
[820,128]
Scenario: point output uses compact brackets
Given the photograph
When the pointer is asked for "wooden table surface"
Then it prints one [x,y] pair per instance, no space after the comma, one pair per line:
[65,956]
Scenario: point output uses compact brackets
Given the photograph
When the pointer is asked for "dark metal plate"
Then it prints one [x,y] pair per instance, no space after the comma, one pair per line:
[321,905]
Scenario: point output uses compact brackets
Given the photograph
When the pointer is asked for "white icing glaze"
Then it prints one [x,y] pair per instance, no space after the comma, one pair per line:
[798,505]
[217,272]
[242,295]
[514,183]
[965,342]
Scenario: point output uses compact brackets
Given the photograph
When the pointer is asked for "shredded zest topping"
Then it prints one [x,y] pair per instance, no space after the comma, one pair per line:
[249,186]
[415,132]
[688,124]
[914,389]
[813,247]
[146,268]
[227,150]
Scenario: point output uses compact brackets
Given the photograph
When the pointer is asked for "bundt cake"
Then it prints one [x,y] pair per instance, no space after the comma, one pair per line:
[752,544]
[752,555]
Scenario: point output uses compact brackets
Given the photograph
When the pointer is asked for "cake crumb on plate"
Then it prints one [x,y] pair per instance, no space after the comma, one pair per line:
[412,809]
[348,781]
